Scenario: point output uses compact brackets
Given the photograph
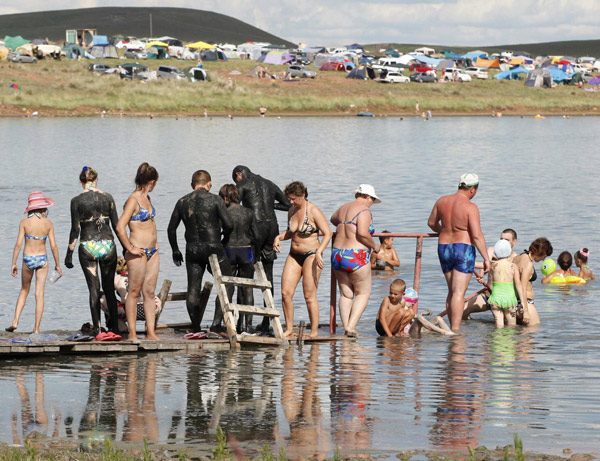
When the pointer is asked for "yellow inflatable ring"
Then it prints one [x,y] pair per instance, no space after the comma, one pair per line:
[570,280]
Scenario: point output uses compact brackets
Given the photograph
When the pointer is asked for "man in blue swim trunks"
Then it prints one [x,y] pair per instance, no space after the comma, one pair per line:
[456,219]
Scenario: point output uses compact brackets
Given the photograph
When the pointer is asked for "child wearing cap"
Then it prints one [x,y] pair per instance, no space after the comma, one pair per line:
[35,229]
[396,310]
[505,275]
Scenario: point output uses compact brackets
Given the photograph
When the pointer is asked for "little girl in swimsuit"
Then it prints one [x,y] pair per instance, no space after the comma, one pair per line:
[505,276]
[35,229]
[581,259]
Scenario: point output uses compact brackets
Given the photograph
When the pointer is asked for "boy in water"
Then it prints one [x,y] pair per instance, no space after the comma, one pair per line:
[394,313]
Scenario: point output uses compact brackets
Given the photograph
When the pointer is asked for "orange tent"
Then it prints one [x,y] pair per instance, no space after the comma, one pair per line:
[495,64]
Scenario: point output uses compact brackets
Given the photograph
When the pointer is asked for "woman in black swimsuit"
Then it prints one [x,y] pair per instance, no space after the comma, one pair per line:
[305,260]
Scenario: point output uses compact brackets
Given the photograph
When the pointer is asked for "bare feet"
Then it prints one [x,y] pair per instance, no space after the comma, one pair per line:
[289,334]
[151,337]
[134,339]
[314,334]
[352,334]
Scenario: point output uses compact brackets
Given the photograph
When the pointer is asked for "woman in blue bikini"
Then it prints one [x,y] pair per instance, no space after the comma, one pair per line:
[141,249]
[35,229]
[351,254]
[93,212]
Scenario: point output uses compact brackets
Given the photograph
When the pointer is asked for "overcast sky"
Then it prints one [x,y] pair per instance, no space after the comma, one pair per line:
[333,22]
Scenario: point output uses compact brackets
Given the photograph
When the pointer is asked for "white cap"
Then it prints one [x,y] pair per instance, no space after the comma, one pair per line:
[468,179]
[369,190]
[502,249]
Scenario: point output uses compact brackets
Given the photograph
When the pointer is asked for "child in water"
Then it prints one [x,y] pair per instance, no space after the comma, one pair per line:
[395,312]
[387,258]
[581,259]
[505,275]
[35,229]
[564,261]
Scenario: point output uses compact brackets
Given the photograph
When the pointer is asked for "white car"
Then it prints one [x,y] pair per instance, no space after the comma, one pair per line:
[457,75]
[393,77]
[476,72]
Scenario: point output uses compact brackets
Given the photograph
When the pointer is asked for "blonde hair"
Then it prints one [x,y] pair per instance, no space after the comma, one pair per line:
[399,284]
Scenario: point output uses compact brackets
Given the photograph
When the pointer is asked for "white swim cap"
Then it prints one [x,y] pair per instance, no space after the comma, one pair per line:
[502,249]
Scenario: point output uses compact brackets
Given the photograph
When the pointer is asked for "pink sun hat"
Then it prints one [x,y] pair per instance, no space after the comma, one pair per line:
[37,201]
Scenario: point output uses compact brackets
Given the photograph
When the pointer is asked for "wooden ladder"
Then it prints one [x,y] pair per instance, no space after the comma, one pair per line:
[232,311]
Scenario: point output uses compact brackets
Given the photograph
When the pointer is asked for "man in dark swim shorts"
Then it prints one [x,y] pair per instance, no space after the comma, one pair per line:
[456,219]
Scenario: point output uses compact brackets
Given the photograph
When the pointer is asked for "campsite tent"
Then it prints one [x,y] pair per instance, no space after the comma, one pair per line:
[3,52]
[495,64]
[276,57]
[201,46]
[213,55]
[426,51]
[12,43]
[558,75]
[101,40]
[362,72]
[102,49]
[332,65]
[512,74]
[594,81]
[539,78]
[73,51]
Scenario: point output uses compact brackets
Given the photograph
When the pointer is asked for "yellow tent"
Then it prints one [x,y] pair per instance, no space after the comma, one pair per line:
[157,43]
[3,52]
[201,46]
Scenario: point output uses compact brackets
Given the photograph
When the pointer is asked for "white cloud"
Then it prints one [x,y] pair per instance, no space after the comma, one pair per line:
[448,22]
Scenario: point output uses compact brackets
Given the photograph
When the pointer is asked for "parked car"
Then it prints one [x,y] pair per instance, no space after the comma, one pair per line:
[133,54]
[456,75]
[300,71]
[98,67]
[393,77]
[476,72]
[170,72]
[423,77]
[18,57]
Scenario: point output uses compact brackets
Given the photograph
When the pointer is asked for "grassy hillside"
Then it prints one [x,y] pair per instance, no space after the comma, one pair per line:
[183,23]
[571,48]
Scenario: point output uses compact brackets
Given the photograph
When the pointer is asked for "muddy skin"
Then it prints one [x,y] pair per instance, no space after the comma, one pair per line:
[92,215]
[251,186]
[242,238]
[203,215]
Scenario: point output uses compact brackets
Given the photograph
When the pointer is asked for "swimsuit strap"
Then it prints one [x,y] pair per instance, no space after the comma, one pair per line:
[356,216]
[33,237]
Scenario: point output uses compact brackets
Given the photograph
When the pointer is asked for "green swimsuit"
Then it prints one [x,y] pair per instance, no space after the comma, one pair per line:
[503,293]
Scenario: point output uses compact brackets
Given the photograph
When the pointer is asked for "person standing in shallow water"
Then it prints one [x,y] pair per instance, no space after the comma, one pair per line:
[93,212]
[351,255]
[203,215]
[141,249]
[456,219]
[263,197]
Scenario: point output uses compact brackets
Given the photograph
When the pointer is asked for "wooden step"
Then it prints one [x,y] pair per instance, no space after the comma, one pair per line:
[258,310]
[238,281]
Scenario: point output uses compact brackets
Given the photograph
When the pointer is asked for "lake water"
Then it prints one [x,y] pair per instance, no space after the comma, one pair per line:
[373,395]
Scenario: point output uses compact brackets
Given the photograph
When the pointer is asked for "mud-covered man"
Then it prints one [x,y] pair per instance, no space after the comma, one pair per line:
[205,219]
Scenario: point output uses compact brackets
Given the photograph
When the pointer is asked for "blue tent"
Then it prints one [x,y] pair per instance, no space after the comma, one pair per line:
[557,74]
[355,46]
[511,74]
[427,60]
[101,40]
[473,55]
[361,72]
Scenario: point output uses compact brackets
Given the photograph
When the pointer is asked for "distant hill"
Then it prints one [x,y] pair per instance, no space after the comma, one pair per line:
[183,23]
[574,48]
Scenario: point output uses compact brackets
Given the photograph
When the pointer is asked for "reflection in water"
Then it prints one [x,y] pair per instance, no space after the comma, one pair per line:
[31,421]
[457,419]
[303,407]
[350,396]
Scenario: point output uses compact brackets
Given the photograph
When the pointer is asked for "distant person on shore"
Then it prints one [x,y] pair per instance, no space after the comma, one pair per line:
[387,258]
[141,249]
[35,229]
[262,111]
[456,219]
[240,249]
[539,250]
[394,312]
[351,255]
[581,260]
[205,218]
[93,213]
[305,260]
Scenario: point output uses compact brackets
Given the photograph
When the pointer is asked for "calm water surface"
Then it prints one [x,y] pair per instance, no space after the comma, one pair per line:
[537,176]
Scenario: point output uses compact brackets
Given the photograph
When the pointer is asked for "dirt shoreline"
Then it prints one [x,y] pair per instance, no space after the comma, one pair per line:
[41,447]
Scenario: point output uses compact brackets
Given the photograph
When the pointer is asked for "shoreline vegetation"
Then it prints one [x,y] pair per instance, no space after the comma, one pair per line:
[39,447]
[67,89]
